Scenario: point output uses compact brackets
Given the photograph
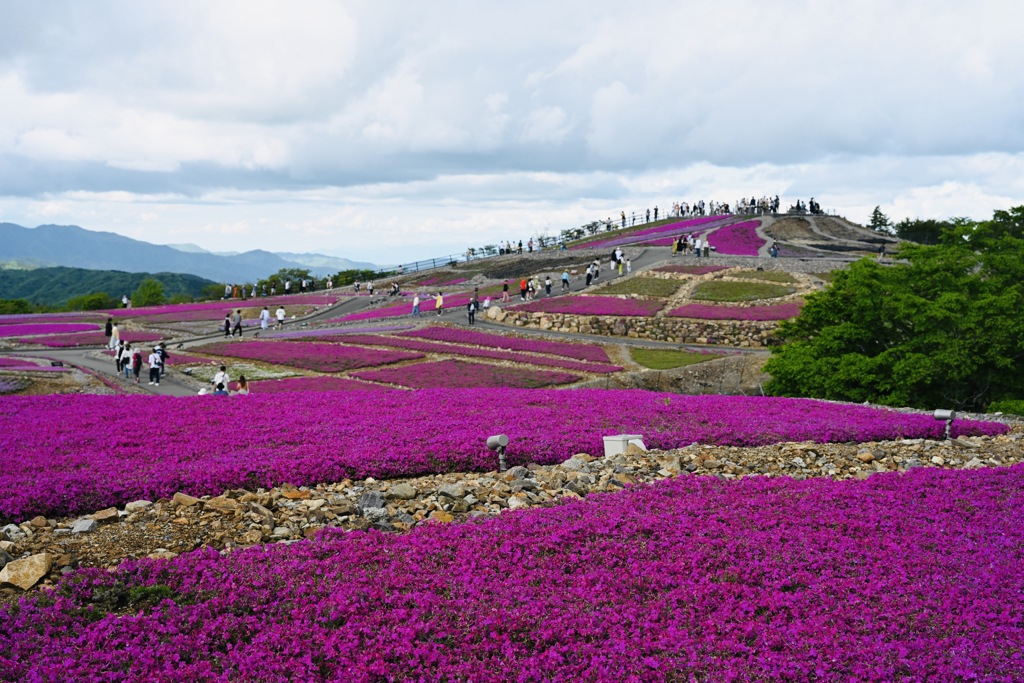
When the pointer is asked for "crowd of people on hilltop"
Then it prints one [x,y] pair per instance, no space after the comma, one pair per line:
[250,290]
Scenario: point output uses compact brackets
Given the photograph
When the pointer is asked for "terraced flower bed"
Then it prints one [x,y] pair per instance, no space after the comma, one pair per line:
[404,309]
[208,445]
[730,290]
[899,578]
[454,335]
[642,286]
[708,312]
[474,352]
[666,359]
[460,374]
[739,239]
[44,318]
[592,305]
[641,236]
[223,305]
[316,384]
[311,356]
[27,329]
[768,275]
[60,341]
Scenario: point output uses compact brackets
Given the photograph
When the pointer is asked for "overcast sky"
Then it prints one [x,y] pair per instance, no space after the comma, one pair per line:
[387,131]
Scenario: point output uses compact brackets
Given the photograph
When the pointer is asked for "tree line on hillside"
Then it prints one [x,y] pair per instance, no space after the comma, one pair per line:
[940,328]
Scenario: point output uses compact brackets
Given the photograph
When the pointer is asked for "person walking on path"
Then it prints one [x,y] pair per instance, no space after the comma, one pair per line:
[264,319]
[471,311]
[280,317]
[415,307]
[227,324]
[162,352]
[126,361]
[137,364]
[547,285]
[119,357]
[237,320]
[115,336]
[439,302]
[504,291]
[565,280]
[523,284]
[154,368]
[109,329]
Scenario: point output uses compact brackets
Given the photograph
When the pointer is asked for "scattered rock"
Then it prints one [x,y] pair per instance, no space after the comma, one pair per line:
[107,516]
[402,491]
[13,532]
[865,456]
[26,572]
[39,522]
[184,500]
[84,526]
[370,499]
[454,490]
[4,558]
[138,506]
[221,504]
[296,494]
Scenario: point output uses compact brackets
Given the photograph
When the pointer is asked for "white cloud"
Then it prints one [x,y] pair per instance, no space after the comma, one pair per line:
[388,126]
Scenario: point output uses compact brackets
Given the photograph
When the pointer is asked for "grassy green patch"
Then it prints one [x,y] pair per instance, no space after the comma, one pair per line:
[766,275]
[830,276]
[236,369]
[1009,406]
[644,286]
[666,359]
[719,290]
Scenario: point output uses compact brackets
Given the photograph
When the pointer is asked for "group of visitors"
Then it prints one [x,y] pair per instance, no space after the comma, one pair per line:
[233,321]
[222,385]
[692,244]
[250,291]
[129,361]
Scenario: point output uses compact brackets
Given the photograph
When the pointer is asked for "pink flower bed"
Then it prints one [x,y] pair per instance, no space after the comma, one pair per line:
[914,579]
[293,384]
[708,312]
[691,270]
[312,356]
[327,333]
[587,352]
[473,352]
[51,328]
[59,341]
[44,318]
[458,374]
[739,239]
[592,305]
[641,236]
[79,464]
[226,304]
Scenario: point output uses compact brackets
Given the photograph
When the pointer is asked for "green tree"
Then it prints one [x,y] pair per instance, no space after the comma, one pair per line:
[96,301]
[943,329]
[149,293]
[15,306]
[879,221]
[294,275]
[922,231]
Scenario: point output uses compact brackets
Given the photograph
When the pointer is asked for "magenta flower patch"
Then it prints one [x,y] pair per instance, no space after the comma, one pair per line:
[79,464]
[644,236]
[740,239]
[458,374]
[708,312]
[592,305]
[46,328]
[59,341]
[588,352]
[311,356]
[293,384]
[908,578]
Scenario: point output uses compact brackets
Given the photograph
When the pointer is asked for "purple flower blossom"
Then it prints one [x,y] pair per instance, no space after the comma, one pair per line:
[46,328]
[589,352]
[311,356]
[458,374]
[739,239]
[58,341]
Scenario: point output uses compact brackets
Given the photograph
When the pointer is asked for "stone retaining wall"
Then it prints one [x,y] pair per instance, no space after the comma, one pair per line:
[741,333]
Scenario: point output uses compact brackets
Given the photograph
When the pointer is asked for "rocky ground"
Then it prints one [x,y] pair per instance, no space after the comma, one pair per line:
[38,551]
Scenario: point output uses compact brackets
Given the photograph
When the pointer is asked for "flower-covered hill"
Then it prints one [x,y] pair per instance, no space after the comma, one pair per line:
[206,445]
[900,578]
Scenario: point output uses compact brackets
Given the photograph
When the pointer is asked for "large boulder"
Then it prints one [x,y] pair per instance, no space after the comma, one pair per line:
[26,572]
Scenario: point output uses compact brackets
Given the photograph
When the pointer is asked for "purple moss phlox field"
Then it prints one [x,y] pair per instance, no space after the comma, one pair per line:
[328,332]
[458,374]
[474,352]
[708,312]
[309,356]
[588,352]
[739,239]
[45,328]
[914,578]
[229,304]
[427,307]
[592,305]
[59,341]
[643,235]
[79,464]
[293,384]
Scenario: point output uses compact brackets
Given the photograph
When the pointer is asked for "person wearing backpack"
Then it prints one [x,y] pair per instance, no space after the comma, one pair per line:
[137,364]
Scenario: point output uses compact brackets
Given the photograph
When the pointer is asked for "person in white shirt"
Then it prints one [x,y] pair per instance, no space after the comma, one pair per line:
[221,377]
[280,317]
[154,368]
[264,318]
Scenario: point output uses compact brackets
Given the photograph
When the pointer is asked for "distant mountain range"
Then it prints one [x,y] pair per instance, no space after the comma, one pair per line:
[75,247]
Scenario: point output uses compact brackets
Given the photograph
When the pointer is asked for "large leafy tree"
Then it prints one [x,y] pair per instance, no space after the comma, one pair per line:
[149,293]
[942,329]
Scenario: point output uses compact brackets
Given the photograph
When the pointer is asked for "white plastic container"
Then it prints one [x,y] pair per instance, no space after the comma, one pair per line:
[617,443]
